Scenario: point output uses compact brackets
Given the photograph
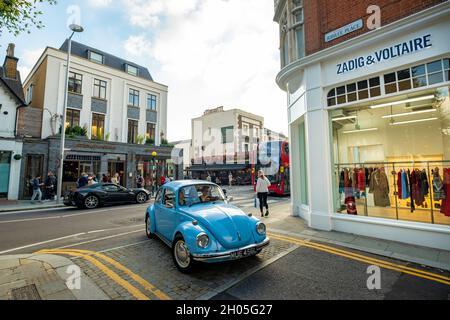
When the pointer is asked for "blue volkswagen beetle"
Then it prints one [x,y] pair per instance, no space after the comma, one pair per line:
[196,220]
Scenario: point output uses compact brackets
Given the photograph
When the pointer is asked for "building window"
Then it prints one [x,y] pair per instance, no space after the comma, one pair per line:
[245,129]
[96,57]
[72,118]
[228,135]
[132,131]
[98,126]
[384,163]
[133,98]
[75,82]
[30,93]
[151,133]
[132,70]
[298,20]
[152,102]
[99,89]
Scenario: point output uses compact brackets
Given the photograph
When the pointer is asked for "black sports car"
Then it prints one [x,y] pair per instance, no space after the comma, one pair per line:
[101,194]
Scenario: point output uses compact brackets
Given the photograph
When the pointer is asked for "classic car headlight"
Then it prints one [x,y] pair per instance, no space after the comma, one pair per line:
[261,228]
[203,240]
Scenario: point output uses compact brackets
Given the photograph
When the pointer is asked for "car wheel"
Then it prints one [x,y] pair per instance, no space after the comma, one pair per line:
[181,255]
[148,228]
[141,198]
[91,202]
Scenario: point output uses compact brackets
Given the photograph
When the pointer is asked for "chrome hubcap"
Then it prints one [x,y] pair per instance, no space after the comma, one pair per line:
[182,254]
[141,198]
[91,202]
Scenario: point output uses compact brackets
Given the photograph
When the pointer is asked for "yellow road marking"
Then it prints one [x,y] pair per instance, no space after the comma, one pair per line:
[110,273]
[365,259]
[144,283]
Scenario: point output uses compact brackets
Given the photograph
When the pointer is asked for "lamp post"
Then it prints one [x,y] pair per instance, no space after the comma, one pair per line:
[75,29]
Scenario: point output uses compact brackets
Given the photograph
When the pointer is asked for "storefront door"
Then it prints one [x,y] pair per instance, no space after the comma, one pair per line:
[118,167]
[5,166]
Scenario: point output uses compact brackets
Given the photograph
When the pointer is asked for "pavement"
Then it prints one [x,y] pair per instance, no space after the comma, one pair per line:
[43,277]
[26,205]
[118,262]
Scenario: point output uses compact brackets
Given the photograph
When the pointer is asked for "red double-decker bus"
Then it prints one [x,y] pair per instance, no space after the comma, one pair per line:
[273,159]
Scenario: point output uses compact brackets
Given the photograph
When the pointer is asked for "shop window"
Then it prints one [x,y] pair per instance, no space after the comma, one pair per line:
[75,82]
[72,118]
[98,126]
[354,92]
[447,69]
[395,162]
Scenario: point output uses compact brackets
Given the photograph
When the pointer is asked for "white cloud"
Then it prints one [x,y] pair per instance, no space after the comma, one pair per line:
[28,59]
[211,53]
[99,3]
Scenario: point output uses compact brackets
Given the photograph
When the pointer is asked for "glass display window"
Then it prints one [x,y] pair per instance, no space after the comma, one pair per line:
[392,156]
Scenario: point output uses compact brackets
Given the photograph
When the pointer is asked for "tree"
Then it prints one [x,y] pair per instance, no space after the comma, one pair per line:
[17,16]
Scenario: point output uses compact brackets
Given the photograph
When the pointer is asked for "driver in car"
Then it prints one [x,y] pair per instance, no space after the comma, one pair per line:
[205,196]
[182,198]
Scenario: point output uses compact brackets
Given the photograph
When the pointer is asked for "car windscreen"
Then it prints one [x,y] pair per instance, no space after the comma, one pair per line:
[191,195]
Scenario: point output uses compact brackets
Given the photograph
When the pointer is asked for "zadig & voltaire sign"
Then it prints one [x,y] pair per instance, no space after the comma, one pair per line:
[401,49]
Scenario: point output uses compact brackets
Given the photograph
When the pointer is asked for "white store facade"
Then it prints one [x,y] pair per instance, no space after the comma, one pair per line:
[376,111]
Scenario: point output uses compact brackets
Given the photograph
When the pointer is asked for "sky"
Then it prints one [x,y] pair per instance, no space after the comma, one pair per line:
[210,53]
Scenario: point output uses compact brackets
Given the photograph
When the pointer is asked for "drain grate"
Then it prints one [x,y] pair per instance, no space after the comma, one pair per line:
[26,293]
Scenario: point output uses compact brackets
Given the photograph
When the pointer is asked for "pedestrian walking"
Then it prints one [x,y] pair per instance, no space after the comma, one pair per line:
[83,180]
[262,192]
[208,178]
[139,181]
[230,179]
[50,186]
[36,185]
[105,178]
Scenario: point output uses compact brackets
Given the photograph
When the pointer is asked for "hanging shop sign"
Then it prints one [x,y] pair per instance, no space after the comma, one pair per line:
[386,54]
[351,27]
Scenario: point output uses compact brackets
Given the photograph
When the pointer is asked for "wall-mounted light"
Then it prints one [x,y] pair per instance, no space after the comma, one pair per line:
[408,113]
[360,130]
[413,121]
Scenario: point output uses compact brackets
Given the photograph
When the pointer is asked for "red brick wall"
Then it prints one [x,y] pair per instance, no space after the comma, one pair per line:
[323,16]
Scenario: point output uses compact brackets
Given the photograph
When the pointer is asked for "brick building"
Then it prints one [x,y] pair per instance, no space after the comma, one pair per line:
[369,115]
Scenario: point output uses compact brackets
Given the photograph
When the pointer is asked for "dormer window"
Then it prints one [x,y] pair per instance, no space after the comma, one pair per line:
[96,57]
[131,70]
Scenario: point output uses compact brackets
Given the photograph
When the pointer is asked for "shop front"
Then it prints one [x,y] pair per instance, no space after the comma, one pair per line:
[96,158]
[10,159]
[370,120]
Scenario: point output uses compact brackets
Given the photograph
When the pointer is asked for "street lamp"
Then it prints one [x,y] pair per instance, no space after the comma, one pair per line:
[75,29]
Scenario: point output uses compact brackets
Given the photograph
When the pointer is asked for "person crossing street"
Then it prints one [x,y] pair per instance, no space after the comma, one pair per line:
[262,192]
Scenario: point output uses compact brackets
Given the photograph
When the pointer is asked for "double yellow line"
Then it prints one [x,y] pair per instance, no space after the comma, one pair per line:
[89,256]
[365,259]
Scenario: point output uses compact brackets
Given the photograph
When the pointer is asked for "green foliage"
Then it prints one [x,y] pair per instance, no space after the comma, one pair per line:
[165,143]
[17,16]
[150,141]
[140,139]
[108,135]
[76,131]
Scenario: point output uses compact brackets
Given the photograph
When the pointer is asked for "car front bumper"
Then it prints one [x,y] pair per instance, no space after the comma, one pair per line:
[234,254]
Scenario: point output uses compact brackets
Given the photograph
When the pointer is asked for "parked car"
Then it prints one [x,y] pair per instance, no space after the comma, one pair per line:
[101,194]
[196,220]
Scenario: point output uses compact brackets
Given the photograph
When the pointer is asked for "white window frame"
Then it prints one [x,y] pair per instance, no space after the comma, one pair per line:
[92,53]
[129,67]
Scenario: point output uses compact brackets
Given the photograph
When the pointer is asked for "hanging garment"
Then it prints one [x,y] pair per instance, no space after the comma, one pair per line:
[348,189]
[416,182]
[438,187]
[410,180]
[445,209]
[399,185]
[424,185]
[341,182]
[379,186]
[362,181]
[367,176]
[405,185]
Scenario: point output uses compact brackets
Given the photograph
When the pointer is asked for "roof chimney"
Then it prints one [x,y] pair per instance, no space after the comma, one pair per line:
[10,64]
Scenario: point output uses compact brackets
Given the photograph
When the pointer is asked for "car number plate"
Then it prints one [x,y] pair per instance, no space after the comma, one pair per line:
[243,253]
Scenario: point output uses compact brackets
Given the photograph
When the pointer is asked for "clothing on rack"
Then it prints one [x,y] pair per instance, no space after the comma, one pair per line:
[405,185]
[379,186]
[399,185]
[438,186]
[445,209]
